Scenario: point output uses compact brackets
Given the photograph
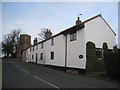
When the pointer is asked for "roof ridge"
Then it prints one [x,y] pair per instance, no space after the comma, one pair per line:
[82,22]
[99,15]
[71,27]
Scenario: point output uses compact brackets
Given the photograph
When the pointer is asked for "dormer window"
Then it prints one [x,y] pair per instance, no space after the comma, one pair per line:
[73,36]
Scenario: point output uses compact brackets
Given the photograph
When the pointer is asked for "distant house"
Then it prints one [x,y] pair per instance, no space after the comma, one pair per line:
[68,48]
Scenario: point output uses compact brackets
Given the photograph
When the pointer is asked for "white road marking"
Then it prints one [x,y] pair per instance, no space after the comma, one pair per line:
[45,82]
[17,66]
[24,70]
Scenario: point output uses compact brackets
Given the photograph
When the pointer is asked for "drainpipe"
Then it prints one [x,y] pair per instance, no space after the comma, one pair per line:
[65,52]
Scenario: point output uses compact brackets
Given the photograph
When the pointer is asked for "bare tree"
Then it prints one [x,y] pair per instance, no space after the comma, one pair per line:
[42,34]
[10,43]
[6,45]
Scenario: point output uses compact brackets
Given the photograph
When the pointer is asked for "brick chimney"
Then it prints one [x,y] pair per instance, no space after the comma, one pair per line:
[78,21]
[48,34]
[35,41]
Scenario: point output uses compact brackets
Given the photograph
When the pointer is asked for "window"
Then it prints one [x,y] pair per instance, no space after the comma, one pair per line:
[73,36]
[52,41]
[41,56]
[98,52]
[41,45]
[52,55]
[32,56]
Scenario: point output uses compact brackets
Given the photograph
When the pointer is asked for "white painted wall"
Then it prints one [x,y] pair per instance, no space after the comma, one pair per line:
[58,48]
[74,49]
[30,53]
[39,51]
[59,51]
[97,31]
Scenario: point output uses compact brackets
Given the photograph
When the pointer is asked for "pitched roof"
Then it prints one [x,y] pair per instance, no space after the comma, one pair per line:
[80,26]
[99,15]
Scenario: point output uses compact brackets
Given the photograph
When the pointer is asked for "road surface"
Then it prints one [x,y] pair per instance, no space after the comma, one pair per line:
[18,74]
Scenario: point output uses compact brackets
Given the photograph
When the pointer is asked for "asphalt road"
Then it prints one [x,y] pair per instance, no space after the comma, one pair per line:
[18,74]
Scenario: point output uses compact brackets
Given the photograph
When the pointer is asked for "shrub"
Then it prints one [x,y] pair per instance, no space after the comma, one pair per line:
[112,64]
[100,65]
[91,57]
[115,49]
[105,47]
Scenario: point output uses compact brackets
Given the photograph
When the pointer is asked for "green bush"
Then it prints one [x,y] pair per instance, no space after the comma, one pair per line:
[112,64]
[91,57]
[115,49]
[100,65]
[105,47]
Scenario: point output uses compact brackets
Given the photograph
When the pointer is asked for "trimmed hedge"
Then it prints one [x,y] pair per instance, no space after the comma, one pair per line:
[93,63]
[115,49]
[109,63]
[91,57]
[105,47]
[112,64]
[112,61]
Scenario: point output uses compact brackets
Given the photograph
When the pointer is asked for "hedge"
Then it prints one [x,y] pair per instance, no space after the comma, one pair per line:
[112,64]
[91,57]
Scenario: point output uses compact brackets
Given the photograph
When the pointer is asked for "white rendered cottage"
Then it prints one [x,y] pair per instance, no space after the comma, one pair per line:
[68,48]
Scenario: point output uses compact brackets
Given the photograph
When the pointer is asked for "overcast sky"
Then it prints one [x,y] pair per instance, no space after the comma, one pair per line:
[57,16]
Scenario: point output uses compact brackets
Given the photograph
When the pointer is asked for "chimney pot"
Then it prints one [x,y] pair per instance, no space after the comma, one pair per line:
[35,41]
[48,34]
[78,21]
